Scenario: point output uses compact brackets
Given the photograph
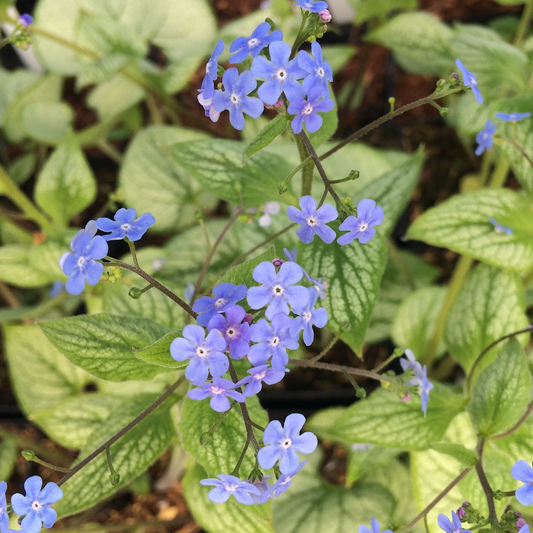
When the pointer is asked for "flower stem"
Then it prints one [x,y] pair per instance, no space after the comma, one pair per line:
[325,351]
[524,22]
[307,172]
[489,493]
[133,252]
[35,459]
[523,418]
[241,458]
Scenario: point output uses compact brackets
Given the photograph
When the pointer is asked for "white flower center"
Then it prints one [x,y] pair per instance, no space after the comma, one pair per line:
[288,479]
[232,332]
[216,390]
[252,43]
[309,5]
[307,316]
[81,262]
[312,221]
[125,227]
[287,443]
[231,488]
[202,352]
[320,71]
[274,341]
[277,290]
[221,302]
[234,99]
[260,375]
[499,230]
[282,74]
[363,226]
[307,110]
[36,506]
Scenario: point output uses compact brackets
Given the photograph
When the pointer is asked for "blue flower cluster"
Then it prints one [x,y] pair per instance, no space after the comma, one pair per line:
[419,379]
[82,263]
[35,507]
[227,331]
[303,81]
[485,138]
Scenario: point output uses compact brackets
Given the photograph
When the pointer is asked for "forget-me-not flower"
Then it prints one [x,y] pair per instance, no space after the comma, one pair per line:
[374,528]
[219,391]
[362,226]
[499,228]
[234,98]
[125,225]
[205,99]
[270,208]
[36,504]
[469,79]
[312,5]
[312,220]
[451,526]
[524,528]
[522,471]
[226,295]
[262,486]
[235,331]
[259,374]
[205,353]
[272,341]
[281,485]
[511,117]
[317,71]
[318,284]
[279,73]
[211,73]
[309,317]
[4,518]
[227,486]
[306,111]
[412,364]
[241,47]
[283,443]
[25,20]
[278,289]
[485,138]
[425,389]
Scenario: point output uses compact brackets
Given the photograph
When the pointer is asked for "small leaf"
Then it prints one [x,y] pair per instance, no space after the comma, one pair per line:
[158,353]
[242,274]
[458,451]
[501,393]
[274,128]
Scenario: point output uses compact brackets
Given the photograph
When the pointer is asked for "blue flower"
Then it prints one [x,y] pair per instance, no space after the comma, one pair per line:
[312,220]
[277,290]
[235,331]
[205,354]
[374,528]
[80,264]
[522,471]
[362,227]
[412,364]
[484,138]
[125,225]
[524,529]
[205,99]
[57,289]
[451,526]
[211,74]
[309,317]
[25,20]
[280,74]
[306,110]
[228,486]
[4,518]
[235,97]
[499,228]
[318,284]
[282,443]
[426,387]
[226,296]
[36,504]
[511,117]
[258,375]
[262,486]
[219,391]
[317,71]
[272,341]
[281,485]
[241,47]
[469,80]
[311,5]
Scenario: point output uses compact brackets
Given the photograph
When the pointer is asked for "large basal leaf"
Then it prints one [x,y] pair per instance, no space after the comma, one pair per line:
[489,305]
[366,458]
[103,344]
[217,165]
[12,85]
[66,185]
[229,516]
[8,457]
[47,122]
[40,375]
[16,267]
[151,181]
[462,224]
[385,420]
[221,455]
[501,393]
[370,9]
[420,42]
[131,455]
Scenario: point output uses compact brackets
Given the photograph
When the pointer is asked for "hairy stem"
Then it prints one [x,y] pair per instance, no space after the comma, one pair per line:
[524,23]
[325,351]
[489,493]
[307,173]
[241,457]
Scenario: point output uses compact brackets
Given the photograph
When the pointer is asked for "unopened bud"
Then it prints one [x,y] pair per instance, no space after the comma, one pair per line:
[29,455]
[466,504]
[325,15]
[455,77]
[353,175]
[25,20]
[114,478]
[360,393]
[406,397]
[444,111]
[277,262]
[441,84]
[283,187]
[518,514]
[135,293]
[248,318]
[271,23]
[206,439]
[520,523]
[461,512]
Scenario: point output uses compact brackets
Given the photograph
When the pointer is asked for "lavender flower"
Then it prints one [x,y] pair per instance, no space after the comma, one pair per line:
[235,331]
[125,225]
[522,471]
[309,317]
[226,295]
[219,391]
[451,526]
[316,70]
[306,111]
[311,5]
[281,485]
[227,486]
[260,38]
[258,375]
[312,220]
[499,228]
[485,138]
[374,528]
[511,117]
[362,227]
[270,208]
[469,80]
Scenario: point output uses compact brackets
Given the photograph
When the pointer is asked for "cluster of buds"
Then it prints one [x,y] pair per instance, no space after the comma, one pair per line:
[21,36]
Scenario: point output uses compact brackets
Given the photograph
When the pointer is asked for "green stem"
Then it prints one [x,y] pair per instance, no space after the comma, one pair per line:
[500,174]
[11,190]
[524,22]
[520,149]
[325,351]
[461,270]
[111,152]
[133,253]
[241,457]
[489,493]
[50,466]
[307,172]
[387,361]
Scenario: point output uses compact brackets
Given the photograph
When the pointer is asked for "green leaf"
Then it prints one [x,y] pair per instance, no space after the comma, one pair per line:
[131,455]
[32,360]
[274,128]
[72,421]
[366,459]
[21,168]
[8,458]
[66,185]
[324,420]
[415,319]
[221,455]
[242,274]
[393,190]
[369,9]
[152,182]
[47,122]
[217,165]
[17,269]
[311,503]
[102,70]
[231,516]
[102,344]
[420,42]
[489,305]
[385,420]
[12,85]
[501,393]
[458,451]
[114,97]
[354,274]
[158,353]
[462,224]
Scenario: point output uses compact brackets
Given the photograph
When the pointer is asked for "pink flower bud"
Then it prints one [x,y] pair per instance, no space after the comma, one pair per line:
[248,318]
[465,504]
[518,514]
[277,262]
[520,523]
[406,397]
[325,16]
[461,512]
